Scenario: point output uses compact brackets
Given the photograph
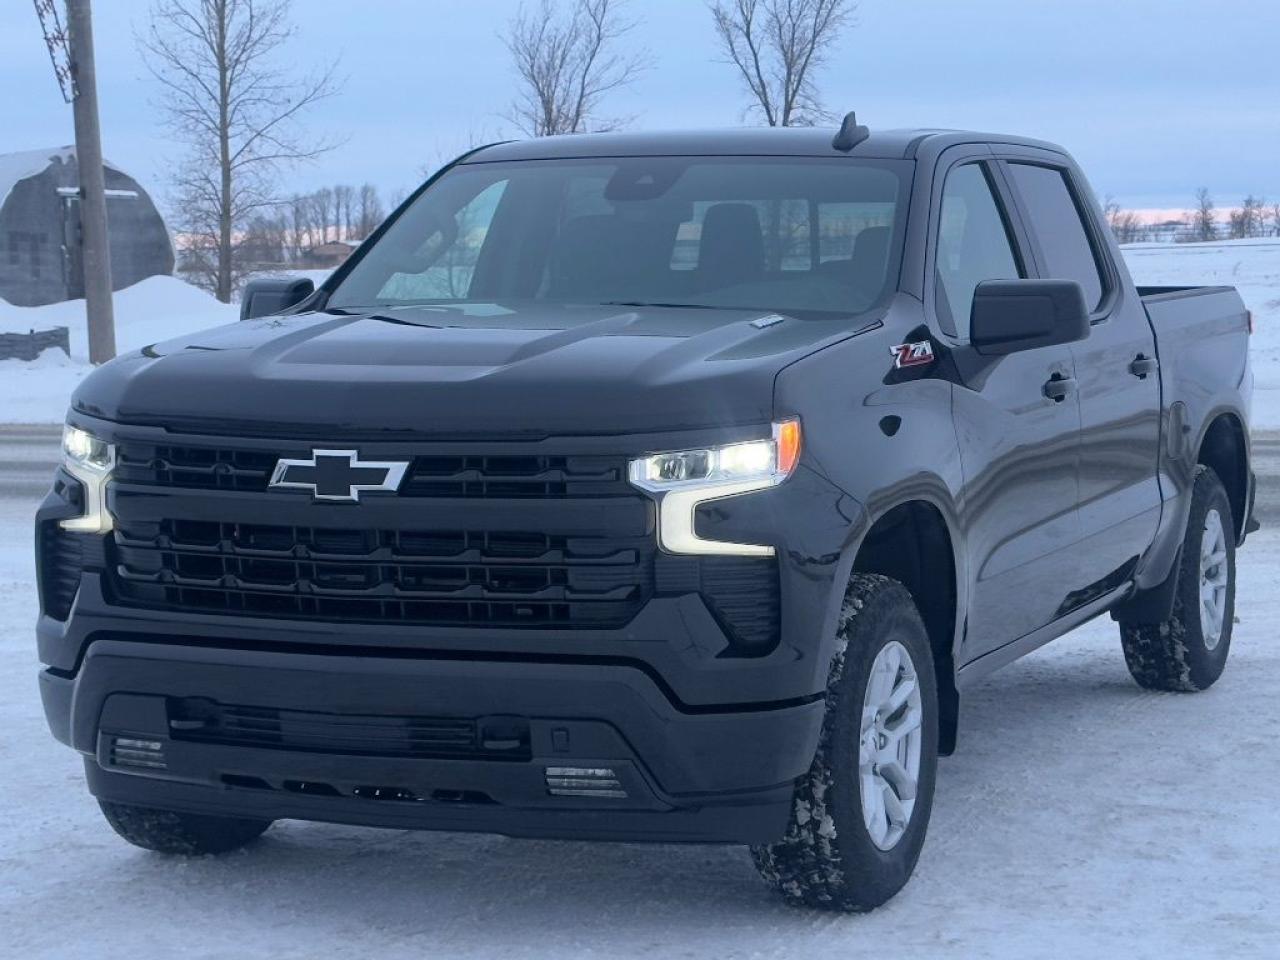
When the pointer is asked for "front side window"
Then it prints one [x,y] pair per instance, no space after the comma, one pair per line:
[1056,219]
[973,244]
[799,236]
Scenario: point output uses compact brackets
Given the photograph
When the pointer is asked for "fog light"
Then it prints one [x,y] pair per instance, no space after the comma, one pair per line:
[598,782]
[136,752]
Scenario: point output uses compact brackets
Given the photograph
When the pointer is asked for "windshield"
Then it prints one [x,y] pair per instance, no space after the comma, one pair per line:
[798,236]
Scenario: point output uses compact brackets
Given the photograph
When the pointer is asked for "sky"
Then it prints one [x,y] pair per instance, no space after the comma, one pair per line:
[1154,97]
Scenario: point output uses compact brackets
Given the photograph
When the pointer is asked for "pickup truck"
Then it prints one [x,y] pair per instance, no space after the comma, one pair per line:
[665,487]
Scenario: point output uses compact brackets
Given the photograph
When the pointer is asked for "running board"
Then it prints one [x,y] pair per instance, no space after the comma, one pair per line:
[989,663]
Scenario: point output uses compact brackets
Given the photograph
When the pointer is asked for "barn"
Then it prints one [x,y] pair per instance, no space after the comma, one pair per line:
[40,258]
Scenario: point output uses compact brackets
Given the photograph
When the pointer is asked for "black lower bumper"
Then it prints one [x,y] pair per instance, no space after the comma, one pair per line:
[707,775]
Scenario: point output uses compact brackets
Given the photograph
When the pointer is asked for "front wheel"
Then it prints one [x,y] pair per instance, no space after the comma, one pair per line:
[1188,651]
[185,834]
[859,816]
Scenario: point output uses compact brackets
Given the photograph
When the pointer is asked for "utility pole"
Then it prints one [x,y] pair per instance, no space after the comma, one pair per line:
[93,199]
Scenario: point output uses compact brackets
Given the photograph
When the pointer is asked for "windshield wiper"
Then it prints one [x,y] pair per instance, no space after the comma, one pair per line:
[655,303]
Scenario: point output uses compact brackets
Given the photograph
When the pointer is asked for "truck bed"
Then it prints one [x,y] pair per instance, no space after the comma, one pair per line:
[1152,295]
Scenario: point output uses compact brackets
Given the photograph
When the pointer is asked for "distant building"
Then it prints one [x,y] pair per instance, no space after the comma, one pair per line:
[40,253]
[331,254]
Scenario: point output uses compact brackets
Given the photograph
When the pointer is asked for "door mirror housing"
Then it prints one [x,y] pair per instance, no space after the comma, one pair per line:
[1013,315]
[262,298]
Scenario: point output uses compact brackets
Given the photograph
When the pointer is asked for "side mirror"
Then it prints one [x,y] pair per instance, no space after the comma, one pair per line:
[1013,315]
[261,298]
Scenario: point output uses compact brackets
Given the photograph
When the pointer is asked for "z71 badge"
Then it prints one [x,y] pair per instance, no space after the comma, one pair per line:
[912,354]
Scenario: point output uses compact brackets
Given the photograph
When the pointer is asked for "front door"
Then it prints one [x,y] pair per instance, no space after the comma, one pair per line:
[1019,443]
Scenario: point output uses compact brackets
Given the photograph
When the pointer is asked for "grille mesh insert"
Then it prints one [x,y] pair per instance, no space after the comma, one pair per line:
[211,722]
[427,577]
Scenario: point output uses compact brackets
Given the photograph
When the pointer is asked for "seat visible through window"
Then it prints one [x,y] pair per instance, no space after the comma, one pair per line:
[731,251]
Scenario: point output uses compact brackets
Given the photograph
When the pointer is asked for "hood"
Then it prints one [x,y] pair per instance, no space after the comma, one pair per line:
[488,370]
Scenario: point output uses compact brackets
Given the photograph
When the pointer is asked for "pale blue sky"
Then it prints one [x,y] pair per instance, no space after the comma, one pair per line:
[1155,98]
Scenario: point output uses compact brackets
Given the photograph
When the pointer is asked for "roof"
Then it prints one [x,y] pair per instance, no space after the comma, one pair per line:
[755,141]
[16,167]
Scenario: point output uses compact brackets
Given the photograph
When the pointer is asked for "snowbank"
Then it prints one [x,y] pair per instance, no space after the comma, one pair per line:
[156,309]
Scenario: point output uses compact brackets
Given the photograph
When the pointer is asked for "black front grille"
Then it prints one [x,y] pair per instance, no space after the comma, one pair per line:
[505,738]
[455,476]
[421,577]
[467,574]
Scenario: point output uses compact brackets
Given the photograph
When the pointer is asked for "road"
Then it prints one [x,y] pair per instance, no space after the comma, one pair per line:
[28,455]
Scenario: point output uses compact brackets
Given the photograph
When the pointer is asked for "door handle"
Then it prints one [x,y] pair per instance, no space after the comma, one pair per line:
[1057,388]
[1143,366]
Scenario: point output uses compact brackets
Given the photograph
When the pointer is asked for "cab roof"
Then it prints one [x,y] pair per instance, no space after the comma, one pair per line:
[753,141]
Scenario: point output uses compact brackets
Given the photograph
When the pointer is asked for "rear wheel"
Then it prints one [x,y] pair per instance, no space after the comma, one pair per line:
[188,834]
[1188,651]
[859,817]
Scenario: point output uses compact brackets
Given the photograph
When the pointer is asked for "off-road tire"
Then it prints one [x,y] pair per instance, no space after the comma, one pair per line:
[185,834]
[827,859]
[1173,655]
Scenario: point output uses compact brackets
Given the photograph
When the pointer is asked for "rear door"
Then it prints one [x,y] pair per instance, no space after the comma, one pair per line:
[1018,447]
[1119,385]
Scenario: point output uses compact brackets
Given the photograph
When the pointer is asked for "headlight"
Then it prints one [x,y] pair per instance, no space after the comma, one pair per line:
[82,448]
[89,460]
[682,480]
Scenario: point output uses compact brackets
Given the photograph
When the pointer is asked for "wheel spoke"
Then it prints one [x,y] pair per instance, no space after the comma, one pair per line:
[908,723]
[893,809]
[1209,614]
[903,784]
[873,808]
[901,693]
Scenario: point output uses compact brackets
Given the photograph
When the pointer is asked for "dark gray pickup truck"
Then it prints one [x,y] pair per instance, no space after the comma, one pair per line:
[644,487]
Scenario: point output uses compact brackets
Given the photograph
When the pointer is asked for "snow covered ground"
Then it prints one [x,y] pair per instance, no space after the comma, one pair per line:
[164,307]
[1081,818]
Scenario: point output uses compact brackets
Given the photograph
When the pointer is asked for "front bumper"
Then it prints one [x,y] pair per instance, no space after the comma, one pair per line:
[708,776]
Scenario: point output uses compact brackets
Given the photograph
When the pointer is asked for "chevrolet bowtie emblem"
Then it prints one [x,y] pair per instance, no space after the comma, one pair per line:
[338,475]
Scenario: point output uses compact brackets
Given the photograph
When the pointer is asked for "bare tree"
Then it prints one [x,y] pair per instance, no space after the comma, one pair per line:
[567,64]
[1275,219]
[1204,224]
[1249,220]
[1111,210]
[369,212]
[342,198]
[1257,215]
[322,213]
[777,46]
[236,111]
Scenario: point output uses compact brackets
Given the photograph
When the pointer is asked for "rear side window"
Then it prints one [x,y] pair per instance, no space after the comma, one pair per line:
[1056,220]
[973,244]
